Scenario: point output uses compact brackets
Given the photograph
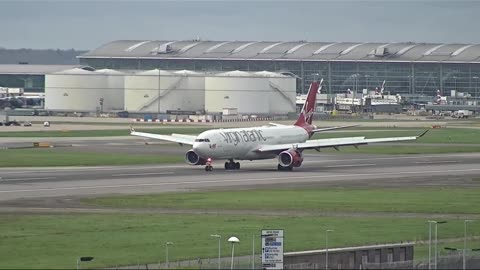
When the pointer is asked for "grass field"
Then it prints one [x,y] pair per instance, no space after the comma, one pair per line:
[50,157]
[55,241]
[407,200]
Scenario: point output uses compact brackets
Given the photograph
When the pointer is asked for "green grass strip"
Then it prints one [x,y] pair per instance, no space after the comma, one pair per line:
[56,241]
[412,200]
[52,157]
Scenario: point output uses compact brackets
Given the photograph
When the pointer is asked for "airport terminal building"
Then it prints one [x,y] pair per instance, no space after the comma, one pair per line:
[416,69]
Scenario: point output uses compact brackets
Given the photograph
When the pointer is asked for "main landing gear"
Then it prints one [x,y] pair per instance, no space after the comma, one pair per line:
[231,165]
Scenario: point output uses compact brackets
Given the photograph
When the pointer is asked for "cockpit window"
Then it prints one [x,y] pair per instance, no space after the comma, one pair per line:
[202,140]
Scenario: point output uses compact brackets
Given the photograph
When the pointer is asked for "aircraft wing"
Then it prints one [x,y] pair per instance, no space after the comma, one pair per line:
[334,143]
[312,144]
[177,138]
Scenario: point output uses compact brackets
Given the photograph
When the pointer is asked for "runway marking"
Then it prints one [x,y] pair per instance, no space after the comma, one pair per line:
[28,178]
[105,168]
[141,174]
[434,162]
[236,180]
[350,165]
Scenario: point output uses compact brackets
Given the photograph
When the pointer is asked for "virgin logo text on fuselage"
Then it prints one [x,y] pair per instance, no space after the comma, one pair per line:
[236,137]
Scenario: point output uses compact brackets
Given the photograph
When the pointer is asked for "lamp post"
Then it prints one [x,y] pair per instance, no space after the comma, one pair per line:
[83,259]
[436,240]
[233,240]
[219,237]
[326,247]
[159,93]
[465,241]
[366,77]
[166,253]
[430,243]
[476,88]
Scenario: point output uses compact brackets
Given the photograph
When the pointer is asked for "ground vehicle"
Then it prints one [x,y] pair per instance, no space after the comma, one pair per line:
[462,114]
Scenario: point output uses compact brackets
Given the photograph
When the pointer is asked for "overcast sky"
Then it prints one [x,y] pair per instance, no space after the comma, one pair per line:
[89,24]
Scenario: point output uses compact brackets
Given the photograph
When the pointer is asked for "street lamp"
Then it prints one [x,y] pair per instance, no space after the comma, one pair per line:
[476,87]
[436,240]
[219,246]
[465,241]
[166,252]
[366,77]
[233,240]
[430,243]
[83,259]
[326,247]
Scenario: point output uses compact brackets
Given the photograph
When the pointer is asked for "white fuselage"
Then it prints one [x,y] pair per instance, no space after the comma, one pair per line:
[242,143]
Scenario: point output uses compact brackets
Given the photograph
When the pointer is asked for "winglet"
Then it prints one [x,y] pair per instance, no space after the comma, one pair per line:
[132,129]
[425,132]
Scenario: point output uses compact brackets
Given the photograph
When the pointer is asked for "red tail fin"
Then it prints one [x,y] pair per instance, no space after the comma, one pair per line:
[306,115]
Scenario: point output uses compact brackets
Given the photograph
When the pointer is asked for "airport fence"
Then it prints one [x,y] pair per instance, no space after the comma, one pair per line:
[242,262]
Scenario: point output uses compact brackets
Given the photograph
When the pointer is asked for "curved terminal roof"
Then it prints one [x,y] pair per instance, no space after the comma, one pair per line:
[295,50]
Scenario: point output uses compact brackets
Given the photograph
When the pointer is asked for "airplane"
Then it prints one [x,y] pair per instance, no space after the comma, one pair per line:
[285,142]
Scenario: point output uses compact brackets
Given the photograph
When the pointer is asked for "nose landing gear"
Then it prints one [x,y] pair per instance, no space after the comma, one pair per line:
[231,165]
[208,167]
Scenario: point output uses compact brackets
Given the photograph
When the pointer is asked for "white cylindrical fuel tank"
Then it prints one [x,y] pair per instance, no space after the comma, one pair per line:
[282,94]
[244,91]
[188,94]
[115,94]
[75,90]
[161,91]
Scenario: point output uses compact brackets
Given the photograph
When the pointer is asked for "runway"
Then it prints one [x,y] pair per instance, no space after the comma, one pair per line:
[317,170]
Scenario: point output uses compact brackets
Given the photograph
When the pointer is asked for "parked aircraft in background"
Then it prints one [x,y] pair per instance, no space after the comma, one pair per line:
[286,142]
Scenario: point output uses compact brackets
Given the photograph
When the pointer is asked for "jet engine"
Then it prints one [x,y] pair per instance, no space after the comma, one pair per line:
[290,158]
[193,158]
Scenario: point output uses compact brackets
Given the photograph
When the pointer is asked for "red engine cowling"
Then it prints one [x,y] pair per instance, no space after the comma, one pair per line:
[290,158]
[193,158]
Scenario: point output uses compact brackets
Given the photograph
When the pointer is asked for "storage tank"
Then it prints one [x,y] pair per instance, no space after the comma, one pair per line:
[189,94]
[283,92]
[244,91]
[115,94]
[76,90]
[159,90]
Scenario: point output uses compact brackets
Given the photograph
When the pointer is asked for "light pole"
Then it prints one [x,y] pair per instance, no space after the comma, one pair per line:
[166,253]
[83,259]
[159,93]
[366,77]
[436,240]
[476,88]
[233,240]
[465,241]
[219,237]
[253,252]
[326,247]
[430,243]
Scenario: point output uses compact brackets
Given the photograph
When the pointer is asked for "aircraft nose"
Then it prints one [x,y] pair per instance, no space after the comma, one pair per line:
[198,148]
